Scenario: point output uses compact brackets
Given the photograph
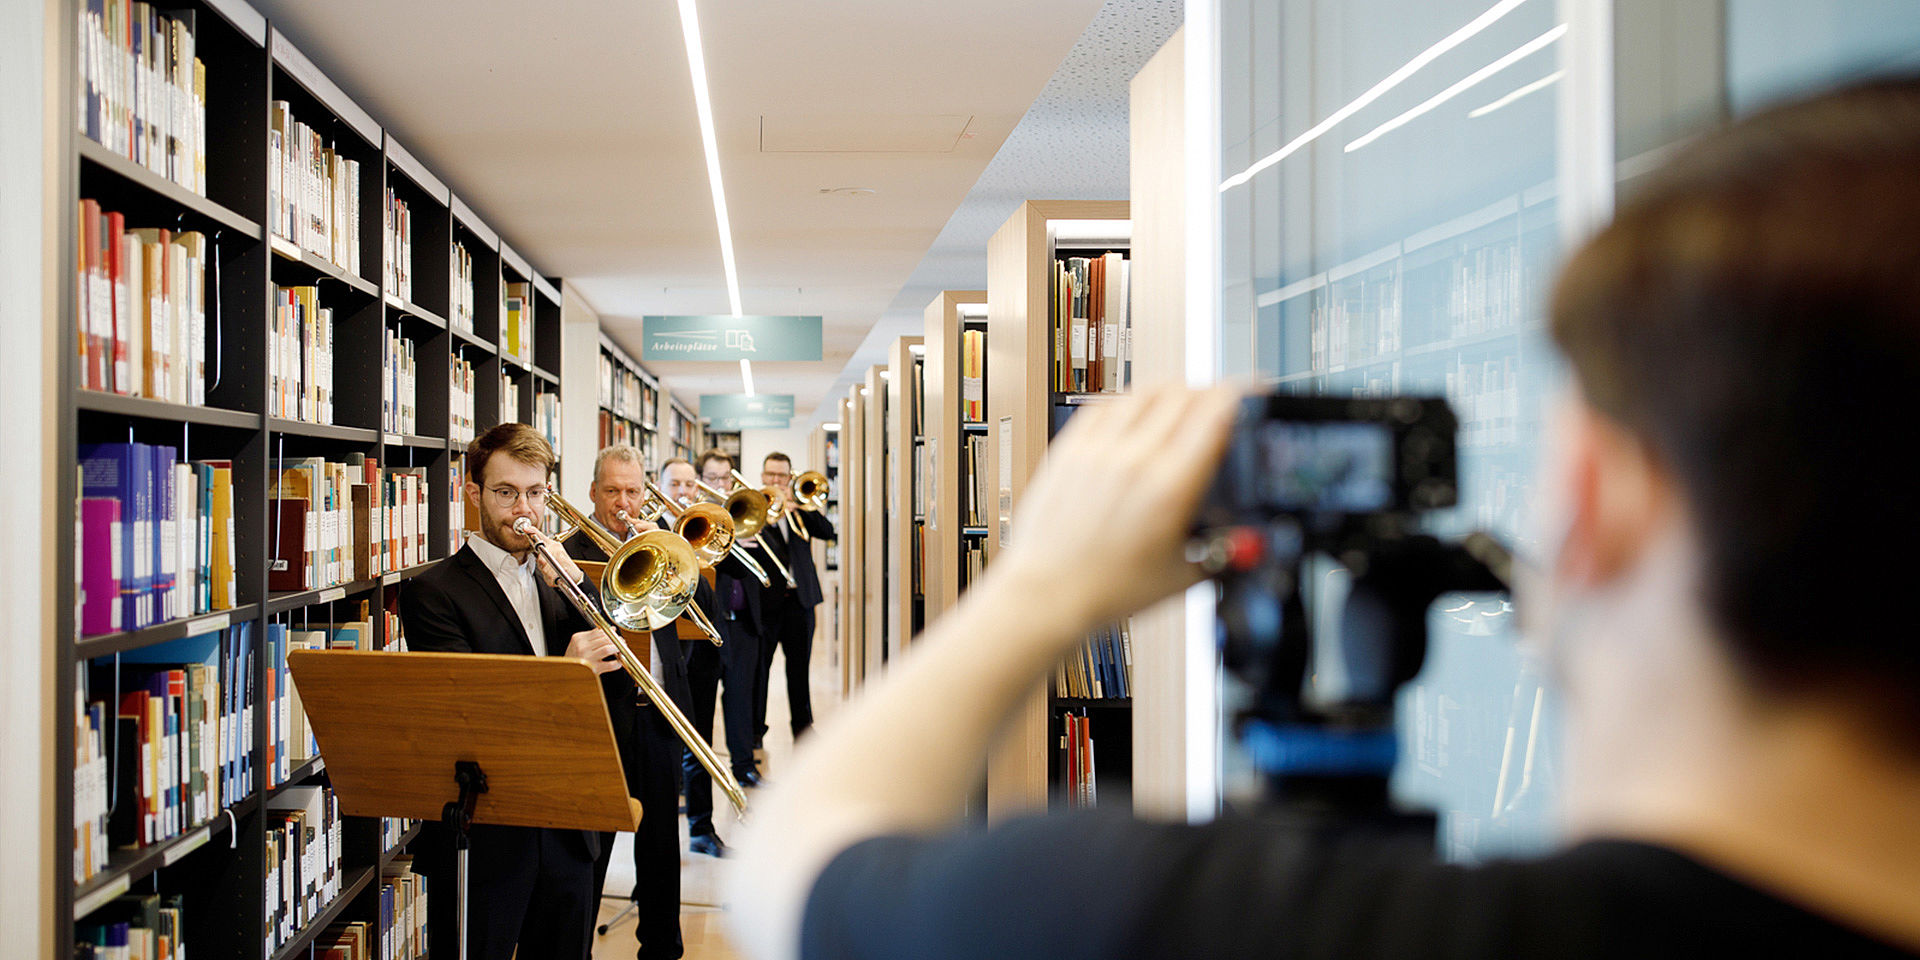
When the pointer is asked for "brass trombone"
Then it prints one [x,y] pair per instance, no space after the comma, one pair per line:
[650,564]
[810,490]
[648,577]
[748,508]
[775,514]
[707,523]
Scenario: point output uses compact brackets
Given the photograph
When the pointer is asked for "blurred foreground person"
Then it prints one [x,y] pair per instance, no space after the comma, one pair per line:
[1725,605]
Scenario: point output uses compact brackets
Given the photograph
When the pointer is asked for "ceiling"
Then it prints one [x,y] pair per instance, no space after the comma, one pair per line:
[570,128]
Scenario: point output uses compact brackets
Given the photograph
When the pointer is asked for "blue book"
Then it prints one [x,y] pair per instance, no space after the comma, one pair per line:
[245,740]
[145,550]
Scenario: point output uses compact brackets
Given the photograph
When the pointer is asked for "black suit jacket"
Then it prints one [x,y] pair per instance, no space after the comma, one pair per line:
[457,606]
[673,655]
[797,553]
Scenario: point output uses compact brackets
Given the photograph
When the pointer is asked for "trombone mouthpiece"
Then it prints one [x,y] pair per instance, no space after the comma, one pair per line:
[523,526]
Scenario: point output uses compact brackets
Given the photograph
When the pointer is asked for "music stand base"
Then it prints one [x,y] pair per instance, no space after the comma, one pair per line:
[458,817]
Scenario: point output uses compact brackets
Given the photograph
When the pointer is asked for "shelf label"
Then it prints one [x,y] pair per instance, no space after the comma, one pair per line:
[319,765]
[209,624]
[930,482]
[97,899]
[389,579]
[718,337]
[331,594]
[188,844]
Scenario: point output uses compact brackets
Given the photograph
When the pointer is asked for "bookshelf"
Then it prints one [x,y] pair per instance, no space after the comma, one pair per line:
[823,454]
[906,510]
[629,402]
[1024,408]
[413,284]
[955,438]
[853,538]
[878,523]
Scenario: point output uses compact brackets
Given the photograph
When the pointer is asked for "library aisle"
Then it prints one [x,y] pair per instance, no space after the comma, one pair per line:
[702,877]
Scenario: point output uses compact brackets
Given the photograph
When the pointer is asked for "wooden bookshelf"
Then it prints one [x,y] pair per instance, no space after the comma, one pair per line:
[905,506]
[947,318]
[218,865]
[823,454]
[1020,405]
[853,537]
[876,457]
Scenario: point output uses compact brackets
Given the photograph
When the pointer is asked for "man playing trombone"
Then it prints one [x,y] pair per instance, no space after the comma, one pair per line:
[787,612]
[529,886]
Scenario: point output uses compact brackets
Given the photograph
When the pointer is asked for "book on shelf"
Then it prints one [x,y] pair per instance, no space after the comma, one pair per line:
[143,88]
[142,308]
[313,192]
[300,350]
[509,398]
[546,415]
[403,910]
[516,329]
[1101,668]
[460,286]
[396,246]
[463,399]
[304,872]
[134,926]
[155,537]
[623,392]
[1092,324]
[399,400]
[1076,760]
[973,366]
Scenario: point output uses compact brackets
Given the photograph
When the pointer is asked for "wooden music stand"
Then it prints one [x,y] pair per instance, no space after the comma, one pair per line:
[466,738]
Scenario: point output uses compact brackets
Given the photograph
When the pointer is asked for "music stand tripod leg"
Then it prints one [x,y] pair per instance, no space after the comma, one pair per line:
[458,816]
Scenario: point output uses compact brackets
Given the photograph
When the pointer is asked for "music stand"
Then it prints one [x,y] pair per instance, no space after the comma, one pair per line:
[427,735]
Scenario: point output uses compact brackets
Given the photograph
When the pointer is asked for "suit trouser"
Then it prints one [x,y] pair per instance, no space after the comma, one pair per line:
[652,765]
[528,885]
[706,666]
[788,625]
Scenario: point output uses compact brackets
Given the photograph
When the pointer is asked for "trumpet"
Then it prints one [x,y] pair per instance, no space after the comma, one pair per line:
[653,582]
[709,527]
[651,563]
[748,508]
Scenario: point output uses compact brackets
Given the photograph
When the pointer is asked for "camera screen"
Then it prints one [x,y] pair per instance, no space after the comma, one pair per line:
[1331,467]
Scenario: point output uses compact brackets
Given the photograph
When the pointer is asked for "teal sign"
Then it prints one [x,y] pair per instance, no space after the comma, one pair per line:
[725,338]
[734,412]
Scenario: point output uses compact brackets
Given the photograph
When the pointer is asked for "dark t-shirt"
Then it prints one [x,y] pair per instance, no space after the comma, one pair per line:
[1100,886]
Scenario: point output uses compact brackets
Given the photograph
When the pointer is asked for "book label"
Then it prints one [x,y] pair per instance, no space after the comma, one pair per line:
[209,624]
[188,844]
[331,594]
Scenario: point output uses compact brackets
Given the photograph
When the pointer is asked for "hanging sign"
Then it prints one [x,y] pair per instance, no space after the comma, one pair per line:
[720,337]
[734,412]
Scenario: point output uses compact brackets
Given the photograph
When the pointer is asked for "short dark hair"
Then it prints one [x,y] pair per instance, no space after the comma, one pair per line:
[1752,316]
[670,462]
[714,454]
[516,440]
[776,455]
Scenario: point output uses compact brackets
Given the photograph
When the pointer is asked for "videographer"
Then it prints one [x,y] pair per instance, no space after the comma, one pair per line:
[1725,603]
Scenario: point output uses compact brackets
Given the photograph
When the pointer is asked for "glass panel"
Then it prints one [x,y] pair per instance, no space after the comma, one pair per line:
[1778,48]
[1389,225]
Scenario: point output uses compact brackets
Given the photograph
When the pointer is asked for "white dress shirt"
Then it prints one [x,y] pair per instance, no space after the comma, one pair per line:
[517,581]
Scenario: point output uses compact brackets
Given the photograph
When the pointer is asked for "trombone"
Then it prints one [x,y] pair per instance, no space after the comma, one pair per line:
[642,581]
[711,529]
[775,514]
[636,586]
[748,508]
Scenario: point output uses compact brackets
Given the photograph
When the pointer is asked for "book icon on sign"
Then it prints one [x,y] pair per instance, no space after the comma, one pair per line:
[740,340]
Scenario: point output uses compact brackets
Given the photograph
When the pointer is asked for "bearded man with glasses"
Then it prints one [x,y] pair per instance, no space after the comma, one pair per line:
[531,887]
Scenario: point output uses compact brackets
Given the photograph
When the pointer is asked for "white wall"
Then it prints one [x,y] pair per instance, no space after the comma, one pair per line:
[579,394]
[30,205]
[756,444]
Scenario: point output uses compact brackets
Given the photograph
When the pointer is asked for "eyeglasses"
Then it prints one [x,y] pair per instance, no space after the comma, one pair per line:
[772,476]
[508,496]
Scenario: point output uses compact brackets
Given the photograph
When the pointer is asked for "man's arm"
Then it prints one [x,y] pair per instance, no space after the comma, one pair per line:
[429,616]
[817,524]
[887,763]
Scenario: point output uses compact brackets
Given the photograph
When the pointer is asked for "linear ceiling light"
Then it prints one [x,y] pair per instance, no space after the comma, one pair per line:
[1516,55]
[703,105]
[1534,87]
[1392,80]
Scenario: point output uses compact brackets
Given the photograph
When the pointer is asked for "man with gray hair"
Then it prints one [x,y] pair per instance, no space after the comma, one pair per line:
[649,749]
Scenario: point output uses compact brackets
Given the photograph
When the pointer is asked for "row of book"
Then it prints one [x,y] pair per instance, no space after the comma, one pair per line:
[509,398]
[396,245]
[1092,324]
[614,430]
[516,328]
[463,400]
[336,522]
[456,503]
[300,356]
[143,89]
[290,738]
[398,933]
[973,376]
[1355,321]
[460,288]
[546,415]
[917,392]
[303,860]
[974,552]
[171,753]
[142,308]
[975,507]
[1486,398]
[313,192]
[156,537]
[399,397]
[1076,760]
[623,392]
[134,926]
[1364,318]
[1102,668]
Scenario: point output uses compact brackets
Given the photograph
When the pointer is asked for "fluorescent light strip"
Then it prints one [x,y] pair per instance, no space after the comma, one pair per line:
[1519,53]
[703,104]
[1534,87]
[1392,80]
[830,427]
[746,375]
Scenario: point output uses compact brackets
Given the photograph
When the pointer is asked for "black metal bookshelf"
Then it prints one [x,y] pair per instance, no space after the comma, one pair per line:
[218,866]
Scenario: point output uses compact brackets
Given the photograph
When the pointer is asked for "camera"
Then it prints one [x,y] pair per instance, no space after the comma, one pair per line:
[1350,482]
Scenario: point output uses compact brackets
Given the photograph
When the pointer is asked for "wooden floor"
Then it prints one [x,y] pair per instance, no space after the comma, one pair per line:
[701,876]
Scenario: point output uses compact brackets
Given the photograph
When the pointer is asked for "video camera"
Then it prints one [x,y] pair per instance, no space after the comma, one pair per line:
[1348,479]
